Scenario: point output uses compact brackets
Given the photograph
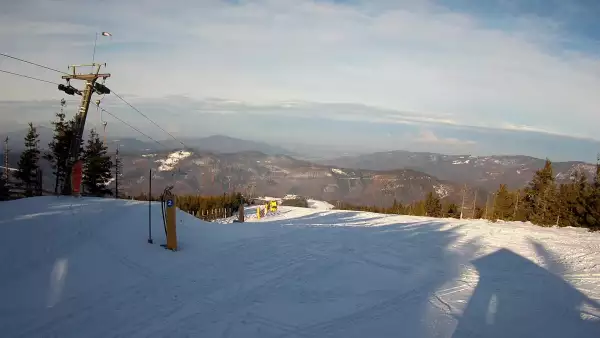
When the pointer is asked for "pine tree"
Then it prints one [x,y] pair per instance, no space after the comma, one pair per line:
[583,190]
[452,210]
[97,166]
[4,191]
[418,208]
[28,163]
[39,182]
[504,204]
[433,205]
[520,212]
[397,208]
[540,197]
[571,202]
[118,171]
[479,212]
[592,215]
[58,153]
[394,207]
[566,197]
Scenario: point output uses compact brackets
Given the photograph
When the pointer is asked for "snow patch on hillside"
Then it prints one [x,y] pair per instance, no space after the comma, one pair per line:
[172,159]
[275,169]
[585,168]
[441,190]
[338,171]
[504,161]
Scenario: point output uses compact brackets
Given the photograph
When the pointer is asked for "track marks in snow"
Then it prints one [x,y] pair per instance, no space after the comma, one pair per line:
[234,297]
[301,273]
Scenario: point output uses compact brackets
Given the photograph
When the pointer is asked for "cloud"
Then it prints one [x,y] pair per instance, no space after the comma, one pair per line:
[303,125]
[538,129]
[429,137]
[418,62]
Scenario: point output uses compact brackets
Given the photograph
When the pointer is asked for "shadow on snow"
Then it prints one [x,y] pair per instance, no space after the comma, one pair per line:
[308,277]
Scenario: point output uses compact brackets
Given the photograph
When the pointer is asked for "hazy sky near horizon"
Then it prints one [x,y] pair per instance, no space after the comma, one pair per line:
[498,76]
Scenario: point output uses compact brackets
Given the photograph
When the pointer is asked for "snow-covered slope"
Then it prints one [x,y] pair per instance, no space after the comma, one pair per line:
[83,268]
[320,205]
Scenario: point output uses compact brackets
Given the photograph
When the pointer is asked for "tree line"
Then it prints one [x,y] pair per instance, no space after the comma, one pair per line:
[194,204]
[298,201]
[431,206]
[97,164]
[542,202]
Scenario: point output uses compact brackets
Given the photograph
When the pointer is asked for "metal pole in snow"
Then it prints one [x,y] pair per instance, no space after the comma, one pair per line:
[150,208]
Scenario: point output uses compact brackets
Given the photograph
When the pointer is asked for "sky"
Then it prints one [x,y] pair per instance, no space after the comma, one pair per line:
[453,76]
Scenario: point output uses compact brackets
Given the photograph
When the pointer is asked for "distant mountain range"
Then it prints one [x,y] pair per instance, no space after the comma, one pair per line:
[214,143]
[259,174]
[483,171]
[16,141]
[216,164]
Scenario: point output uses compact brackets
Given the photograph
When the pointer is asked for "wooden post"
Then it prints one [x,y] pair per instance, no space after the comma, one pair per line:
[171,224]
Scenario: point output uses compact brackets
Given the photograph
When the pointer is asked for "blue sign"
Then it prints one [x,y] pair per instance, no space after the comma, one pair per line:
[169,203]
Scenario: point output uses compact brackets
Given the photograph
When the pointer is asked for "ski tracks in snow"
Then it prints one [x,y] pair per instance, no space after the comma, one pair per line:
[301,273]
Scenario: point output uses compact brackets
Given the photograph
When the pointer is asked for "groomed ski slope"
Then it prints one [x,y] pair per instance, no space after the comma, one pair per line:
[83,268]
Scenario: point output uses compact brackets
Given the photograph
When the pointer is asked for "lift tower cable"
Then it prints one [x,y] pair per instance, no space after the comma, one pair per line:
[132,127]
[102,109]
[28,77]
[32,63]
[75,91]
[147,118]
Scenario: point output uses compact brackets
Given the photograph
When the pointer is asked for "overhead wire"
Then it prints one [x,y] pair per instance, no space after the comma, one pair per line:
[149,119]
[28,77]
[132,127]
[33,63]
[102,109]
[115,93]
